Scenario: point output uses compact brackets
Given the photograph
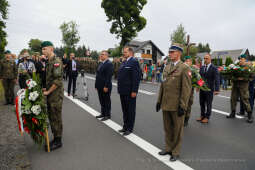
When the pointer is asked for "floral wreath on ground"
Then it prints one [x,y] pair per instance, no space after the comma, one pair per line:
[33,110]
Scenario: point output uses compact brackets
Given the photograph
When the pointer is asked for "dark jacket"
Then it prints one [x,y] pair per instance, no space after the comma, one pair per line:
[211,77]
[69,68]
[129,76]
[104,76]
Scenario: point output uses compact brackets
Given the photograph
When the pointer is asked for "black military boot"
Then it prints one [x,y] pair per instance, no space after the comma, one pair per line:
[250,118]
[232,115]
[56,144]
[51,143]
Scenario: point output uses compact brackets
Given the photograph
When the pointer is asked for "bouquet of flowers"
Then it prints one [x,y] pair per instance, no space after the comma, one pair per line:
[197,81]
[33,110]
[238,72]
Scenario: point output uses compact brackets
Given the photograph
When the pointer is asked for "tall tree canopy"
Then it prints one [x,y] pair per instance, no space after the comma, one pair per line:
[35,45]
[3,16]
[70,35]
[203,48]
[126,18]
[179,35]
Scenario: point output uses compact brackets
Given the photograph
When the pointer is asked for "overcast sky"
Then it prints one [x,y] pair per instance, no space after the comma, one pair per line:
[224,24]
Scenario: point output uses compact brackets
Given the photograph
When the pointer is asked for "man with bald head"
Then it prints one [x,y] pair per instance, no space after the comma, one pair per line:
[210,75]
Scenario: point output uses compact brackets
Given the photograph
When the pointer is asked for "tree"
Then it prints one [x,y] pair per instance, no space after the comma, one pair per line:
[228,61]
[70,36]
[59,51]
[116,52]
[4,16]
[94,55]
[179,35]
[81,51]
[35,45]
[125,17]
[203,48]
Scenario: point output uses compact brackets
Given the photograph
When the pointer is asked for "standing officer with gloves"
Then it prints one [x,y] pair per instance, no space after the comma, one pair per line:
[173,99]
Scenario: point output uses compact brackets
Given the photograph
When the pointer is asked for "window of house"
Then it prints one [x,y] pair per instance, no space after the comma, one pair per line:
[148,52]
[143,51]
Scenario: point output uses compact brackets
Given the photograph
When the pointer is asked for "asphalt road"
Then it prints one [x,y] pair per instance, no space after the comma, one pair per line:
[89,144]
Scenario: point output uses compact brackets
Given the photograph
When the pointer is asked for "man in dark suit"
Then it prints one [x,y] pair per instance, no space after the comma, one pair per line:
[129,76]
[211,77]
[103,85]
[72,68]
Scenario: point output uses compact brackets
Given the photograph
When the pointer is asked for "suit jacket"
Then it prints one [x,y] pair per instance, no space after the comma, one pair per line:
[104,76]
[211,77]
[69,68]
[129,76]
[176,88]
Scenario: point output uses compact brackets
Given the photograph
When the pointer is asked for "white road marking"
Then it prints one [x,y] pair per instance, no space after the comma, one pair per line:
[146,146]
[115,84]
[225,113]
[223,96]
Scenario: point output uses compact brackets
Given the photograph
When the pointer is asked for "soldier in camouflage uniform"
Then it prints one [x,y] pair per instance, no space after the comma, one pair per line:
[240,88]
[54,92]
[8,75]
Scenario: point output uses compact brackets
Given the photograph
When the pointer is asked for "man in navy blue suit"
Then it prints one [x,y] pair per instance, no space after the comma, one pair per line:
[103,85]
[129,76]
[211,77]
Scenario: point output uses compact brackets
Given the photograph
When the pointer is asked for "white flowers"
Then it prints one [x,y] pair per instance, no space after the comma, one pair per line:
[231,66]
[36,109]
[31,84]
[33,96]
[21,93]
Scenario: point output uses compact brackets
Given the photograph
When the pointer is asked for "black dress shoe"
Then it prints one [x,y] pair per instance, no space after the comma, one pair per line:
[163,153]
[100,116]
[122,130]
[240,114]
[174,158]
[106,118]
[126,133]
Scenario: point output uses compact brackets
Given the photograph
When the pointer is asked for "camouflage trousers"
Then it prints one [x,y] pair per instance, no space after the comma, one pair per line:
[8,85]
[173,127]
[240,89]
[54,107]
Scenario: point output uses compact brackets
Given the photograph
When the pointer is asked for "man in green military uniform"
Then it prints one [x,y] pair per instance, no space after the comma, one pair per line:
[173,98]
[240,88]
[188,62]
[54,92]
[8,75]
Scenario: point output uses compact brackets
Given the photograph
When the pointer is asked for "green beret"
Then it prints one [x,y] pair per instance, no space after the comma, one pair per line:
[7,52]
[242,56]
[46,44]
[187,57]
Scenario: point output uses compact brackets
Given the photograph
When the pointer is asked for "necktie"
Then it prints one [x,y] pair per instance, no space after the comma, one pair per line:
[205,68]
[100,65]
